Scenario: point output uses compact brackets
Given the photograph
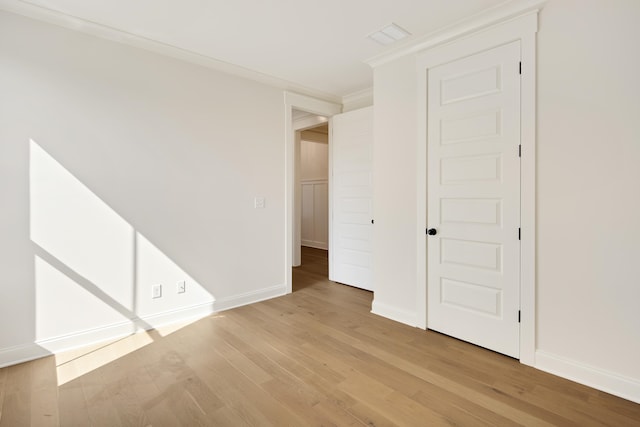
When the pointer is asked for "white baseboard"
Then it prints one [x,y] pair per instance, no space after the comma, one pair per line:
[22,353]
[314,244]
[42,348]
[393,313]
[127,327]
[609,382]
[249,298]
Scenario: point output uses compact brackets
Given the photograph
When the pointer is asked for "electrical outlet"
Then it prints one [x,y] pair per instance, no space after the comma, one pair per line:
[259,202]
[156,291]
[182,287]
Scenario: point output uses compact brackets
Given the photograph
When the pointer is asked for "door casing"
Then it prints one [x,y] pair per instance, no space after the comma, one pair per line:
[522,28]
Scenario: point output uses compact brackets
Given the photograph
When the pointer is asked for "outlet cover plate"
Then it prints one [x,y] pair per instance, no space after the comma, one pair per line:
[182,287]
[156,291]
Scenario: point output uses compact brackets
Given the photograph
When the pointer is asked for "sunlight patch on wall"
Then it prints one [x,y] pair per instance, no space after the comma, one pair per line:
[94,271]
[153,267]
[65,307]
[78,229]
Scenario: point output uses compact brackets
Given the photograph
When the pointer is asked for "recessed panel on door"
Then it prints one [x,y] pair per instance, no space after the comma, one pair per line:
[470,254]
[470,84]
[466,169]
[471,211]
[471,297]
[474,127]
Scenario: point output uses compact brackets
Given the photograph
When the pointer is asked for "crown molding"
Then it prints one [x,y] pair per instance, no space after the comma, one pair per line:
[358,96]
[495,15]
[307,122]
[29,10]
[358,99]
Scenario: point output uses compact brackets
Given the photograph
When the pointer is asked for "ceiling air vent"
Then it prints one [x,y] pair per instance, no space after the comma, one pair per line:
[389,34]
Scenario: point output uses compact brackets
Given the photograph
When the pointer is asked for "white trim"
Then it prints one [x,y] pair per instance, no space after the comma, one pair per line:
[113,34]
[316,106]
[421,205]
[42,348]
[522,29]
[127,327]
[248,298]
[330,202]
[314,181]
[356,100]
[393,313]
[314,243]
[609,382]
[484,19]
[308,122]
[22,353]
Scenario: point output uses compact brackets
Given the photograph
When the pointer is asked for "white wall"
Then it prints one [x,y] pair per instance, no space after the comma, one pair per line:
[121,169]
[314,160]
[588,197]
[394,190]
[589,183]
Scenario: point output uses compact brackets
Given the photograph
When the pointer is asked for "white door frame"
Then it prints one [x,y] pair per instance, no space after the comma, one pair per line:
[521,29]
[312,105]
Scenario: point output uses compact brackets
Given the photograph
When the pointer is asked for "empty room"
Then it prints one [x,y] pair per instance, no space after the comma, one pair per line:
[349,213]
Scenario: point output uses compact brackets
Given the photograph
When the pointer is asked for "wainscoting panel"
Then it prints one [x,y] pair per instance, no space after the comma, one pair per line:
[315,213]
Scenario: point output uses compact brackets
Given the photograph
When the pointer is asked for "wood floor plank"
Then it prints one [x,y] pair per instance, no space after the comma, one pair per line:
[237,391]
[17,399]
[3,384]
[72,405]
[126,402]
[149,397]
[102,411]
[181,390]
[44,393]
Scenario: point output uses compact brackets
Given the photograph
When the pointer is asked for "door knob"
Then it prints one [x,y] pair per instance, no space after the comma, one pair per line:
[432,232]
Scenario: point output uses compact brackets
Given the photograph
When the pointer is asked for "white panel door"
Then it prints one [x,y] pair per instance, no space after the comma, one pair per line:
[351,198]
[474,199]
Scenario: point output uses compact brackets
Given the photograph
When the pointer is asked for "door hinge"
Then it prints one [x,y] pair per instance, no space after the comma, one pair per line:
[520,150]
[518,316]
[520,68]
[519,234]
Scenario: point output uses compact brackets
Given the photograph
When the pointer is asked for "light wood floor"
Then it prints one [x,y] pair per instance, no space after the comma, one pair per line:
[315,357]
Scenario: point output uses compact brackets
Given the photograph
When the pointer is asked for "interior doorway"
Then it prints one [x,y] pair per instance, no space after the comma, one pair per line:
[336,213]
[313,270]
[311,193]
[314,187]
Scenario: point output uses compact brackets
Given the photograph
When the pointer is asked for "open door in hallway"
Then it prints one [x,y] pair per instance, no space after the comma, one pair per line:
[351,199]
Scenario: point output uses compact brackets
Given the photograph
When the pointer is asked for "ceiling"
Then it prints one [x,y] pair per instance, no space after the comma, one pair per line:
[310,44]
